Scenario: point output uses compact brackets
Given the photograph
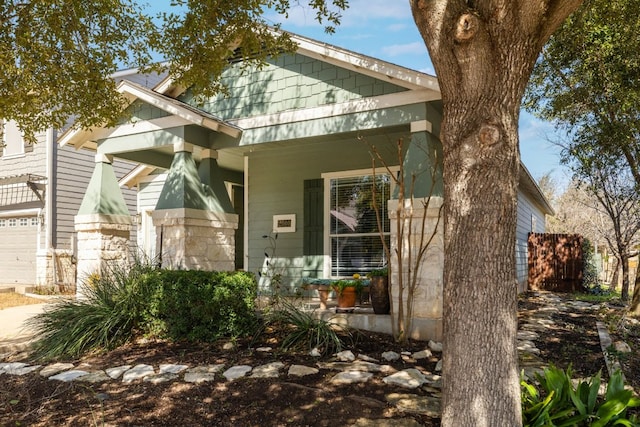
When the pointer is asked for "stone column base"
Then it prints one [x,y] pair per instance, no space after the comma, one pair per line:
[194,239]
[428,296]
[101,239]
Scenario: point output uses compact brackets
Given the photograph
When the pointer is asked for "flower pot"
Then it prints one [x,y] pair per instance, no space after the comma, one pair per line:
[379,294]
[347,297]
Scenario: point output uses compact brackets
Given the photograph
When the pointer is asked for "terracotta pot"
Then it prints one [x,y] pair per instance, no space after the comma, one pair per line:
[379,294]
[347,298]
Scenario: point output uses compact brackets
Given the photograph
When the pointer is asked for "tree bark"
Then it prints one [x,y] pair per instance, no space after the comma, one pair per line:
[624,294]
[483,53]
[634,309]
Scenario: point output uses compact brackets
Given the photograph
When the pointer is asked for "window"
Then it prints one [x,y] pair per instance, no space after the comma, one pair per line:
[13,222]
[354,238]
[34,221]
[12,141]
[3,222]
[24,222]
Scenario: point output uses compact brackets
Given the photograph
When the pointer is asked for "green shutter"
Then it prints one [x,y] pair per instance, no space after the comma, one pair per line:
[313,217]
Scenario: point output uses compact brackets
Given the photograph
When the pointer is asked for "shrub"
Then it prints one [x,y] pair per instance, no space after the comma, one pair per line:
[140,299]
[111,313]
[203,306]
[560,403]
[306,332]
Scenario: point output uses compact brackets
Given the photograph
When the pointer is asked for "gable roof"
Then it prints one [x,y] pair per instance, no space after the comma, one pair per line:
[133,91]
[344,58]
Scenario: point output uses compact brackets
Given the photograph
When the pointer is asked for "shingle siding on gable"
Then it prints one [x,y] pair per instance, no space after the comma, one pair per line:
[140,110]
[34,162]
[287,83]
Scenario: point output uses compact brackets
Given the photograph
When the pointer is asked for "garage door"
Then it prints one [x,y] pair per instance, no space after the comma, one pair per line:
[18,237]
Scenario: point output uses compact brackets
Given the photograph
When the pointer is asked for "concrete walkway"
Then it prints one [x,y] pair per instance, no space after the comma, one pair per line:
[14,333]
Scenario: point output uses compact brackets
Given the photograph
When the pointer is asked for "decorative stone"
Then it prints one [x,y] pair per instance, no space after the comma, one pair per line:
[367,358]
[171,369]
[528,347]
[270,370]
[408,378]
[412,403]
[236,372]
[527,335]
[346,356]
[302,371]
[117,372]
[9,367]
[315,353]
[229,345]
[201,374]
[95,377]
[20,369]
[390,356]
[69,375]
[622,347]
[438,367]
[264,349]
[55,368]
[351,377]
[160,378]
[424,354]
[435,346]
[137,372]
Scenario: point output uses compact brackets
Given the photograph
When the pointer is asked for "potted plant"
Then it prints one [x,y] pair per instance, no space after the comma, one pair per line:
[379,291]
[348,291]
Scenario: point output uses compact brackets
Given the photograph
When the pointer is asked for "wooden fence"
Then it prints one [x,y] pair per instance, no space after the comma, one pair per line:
[555,262]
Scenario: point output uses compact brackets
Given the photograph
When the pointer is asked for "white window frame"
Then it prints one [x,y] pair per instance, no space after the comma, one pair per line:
[13,222]
[3,222]
[327,177]
[24,222]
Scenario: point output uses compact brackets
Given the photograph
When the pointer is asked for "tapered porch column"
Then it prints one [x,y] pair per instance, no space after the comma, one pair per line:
[195,223]
[103,224]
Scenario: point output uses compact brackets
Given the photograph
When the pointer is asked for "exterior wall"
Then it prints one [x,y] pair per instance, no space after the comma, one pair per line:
[290,82]
[530,219]
[33,162]
[275,186]
[73,172]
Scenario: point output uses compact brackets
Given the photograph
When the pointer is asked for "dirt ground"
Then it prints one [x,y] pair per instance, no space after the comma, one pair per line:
[286,401]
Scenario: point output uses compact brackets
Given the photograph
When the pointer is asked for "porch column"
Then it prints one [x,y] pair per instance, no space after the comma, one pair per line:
[103,224]
[423,163]
[193,227]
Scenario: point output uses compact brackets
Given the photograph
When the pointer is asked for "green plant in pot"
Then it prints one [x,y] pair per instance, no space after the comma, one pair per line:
[379,290]
[348,290]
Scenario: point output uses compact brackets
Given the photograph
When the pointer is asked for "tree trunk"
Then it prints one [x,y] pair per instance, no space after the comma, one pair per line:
[634,309]
[625,277]
[483,58]
[616,275]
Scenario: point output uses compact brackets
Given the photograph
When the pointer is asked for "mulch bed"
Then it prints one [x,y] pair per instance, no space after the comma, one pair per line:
[306,401]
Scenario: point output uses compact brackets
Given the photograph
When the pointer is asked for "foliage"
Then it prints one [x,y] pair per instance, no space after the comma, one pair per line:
[381,272]
[140,299]
[111,312]
[309,332]
[556,401]
[586,81]
[590,270]
[202,305]
[58,56]
[340,285]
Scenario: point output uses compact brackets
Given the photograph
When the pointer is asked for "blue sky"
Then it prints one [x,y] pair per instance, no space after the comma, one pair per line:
[385,29]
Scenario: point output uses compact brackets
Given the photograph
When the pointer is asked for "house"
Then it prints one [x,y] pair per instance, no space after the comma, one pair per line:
[41,189]
[288,150]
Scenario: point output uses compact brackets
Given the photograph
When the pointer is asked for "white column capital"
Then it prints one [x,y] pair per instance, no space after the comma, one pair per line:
[103,158]
[182,146]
